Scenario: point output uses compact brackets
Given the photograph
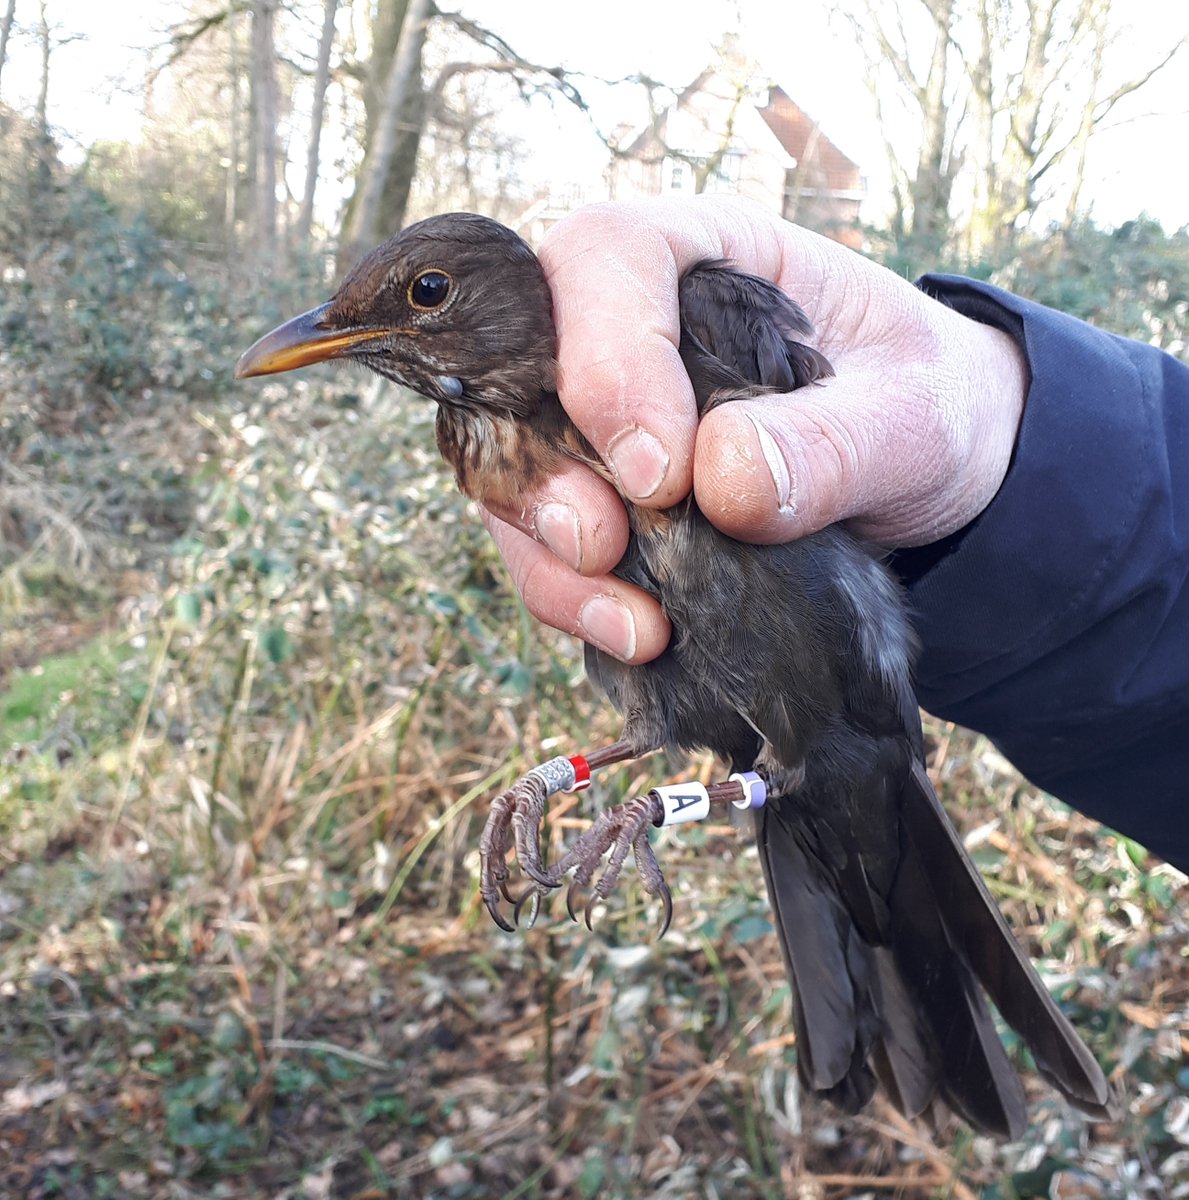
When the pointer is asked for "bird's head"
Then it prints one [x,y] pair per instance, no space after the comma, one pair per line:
[455,307]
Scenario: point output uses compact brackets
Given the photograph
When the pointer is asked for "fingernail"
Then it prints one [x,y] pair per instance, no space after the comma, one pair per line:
[782,479]
[556,524]
[609,624]
[639,461]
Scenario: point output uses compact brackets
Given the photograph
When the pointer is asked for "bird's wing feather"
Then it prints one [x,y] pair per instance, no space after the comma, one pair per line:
[758,345]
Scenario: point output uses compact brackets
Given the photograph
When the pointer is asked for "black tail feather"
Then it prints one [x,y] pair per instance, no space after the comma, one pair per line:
[903,1004]
[904,1057]
[975,923]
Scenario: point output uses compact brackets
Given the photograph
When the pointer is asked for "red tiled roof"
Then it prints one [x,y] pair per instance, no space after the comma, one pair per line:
[802,137]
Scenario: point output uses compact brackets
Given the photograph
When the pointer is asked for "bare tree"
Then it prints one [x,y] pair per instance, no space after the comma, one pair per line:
[5,30]
[921,193]
[1054,98]
[1031,73]
[41,110]
[1096,22]
[1097,13]
[399,110]
[936,165]
[264,123]
[305,218]
[41,120]
[476,157]
[234,115]
[374,76]
[404,76]
[656,142]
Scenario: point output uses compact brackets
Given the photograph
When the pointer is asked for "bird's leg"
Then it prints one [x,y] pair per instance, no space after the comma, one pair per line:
[625,827]
[515,819]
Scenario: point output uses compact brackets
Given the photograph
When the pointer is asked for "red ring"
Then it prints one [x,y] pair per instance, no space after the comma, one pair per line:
[581,773]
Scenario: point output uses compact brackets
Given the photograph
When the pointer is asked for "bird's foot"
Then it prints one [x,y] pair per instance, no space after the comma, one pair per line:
[515,819]
[625,827]
[618,830]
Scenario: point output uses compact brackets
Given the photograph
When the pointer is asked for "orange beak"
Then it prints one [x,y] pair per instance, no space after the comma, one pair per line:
[300,342]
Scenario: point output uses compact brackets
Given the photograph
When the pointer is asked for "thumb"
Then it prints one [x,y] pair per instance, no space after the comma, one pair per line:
[906,446]
[774,468]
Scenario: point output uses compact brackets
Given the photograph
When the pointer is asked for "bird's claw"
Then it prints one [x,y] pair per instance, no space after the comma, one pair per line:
[570,900]
[515,819]
[494,910]
[531,895]
[542,878]
[619,830]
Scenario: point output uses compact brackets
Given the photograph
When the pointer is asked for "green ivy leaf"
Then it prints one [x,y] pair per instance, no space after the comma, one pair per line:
[446,604]
[188,608]
[590,1181]
[751,929]
[277,644]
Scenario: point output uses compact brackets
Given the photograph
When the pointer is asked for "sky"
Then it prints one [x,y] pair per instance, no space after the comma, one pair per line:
[1134,167]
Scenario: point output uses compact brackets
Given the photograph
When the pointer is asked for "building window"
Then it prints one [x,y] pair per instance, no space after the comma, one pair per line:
[680,177]
[725,177]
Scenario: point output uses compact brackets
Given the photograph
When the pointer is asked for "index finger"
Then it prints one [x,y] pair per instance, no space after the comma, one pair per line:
[614,271]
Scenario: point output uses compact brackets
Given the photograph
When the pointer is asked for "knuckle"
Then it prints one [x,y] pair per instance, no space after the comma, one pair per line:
[586,231]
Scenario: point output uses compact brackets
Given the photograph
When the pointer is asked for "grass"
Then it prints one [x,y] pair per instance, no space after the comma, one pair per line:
[36,699]
[241,947]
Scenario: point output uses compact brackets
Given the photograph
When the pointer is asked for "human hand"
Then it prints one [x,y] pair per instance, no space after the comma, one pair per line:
[909,442]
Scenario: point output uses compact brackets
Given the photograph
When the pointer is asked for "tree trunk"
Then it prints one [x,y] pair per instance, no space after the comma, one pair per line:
[387,34]
[404,80]
[1022,148]
[1081,139]
[921,191]
[264,114]
[982,222]
[403,166]
[231,183]
[45,148]
[800,178]
[305,219]
[41,112]
[932,184]
[5,30]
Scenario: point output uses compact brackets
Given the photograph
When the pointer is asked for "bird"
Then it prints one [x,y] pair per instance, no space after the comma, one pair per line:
[792,663]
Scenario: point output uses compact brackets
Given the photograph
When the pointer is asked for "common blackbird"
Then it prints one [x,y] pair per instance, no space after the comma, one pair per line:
[792,662]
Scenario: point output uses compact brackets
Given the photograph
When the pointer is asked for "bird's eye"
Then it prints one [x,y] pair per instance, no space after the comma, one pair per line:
[429,289]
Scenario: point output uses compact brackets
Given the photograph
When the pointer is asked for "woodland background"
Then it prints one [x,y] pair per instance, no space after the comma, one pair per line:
[260,669]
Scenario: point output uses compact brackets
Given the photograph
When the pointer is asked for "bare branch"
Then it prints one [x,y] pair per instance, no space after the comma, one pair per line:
[896,58]
[5,30]
[182,37]
[403,76]
[1102,107]
[1105,105]
[511,62]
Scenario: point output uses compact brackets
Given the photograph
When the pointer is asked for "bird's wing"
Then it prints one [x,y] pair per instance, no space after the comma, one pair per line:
[740,333]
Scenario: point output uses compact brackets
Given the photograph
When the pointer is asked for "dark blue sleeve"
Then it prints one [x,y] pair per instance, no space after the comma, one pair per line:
[1058,622]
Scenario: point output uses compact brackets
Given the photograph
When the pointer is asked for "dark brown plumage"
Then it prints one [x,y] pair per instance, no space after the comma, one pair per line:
[791,660]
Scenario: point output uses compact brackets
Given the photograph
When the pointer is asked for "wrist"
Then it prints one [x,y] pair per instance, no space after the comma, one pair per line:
[999,381]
